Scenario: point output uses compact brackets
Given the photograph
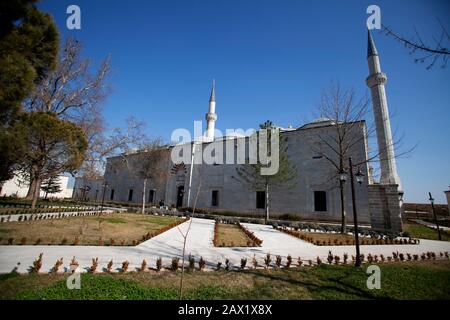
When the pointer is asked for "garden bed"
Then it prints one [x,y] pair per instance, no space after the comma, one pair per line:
[118,229]
[234,235]
[338,239]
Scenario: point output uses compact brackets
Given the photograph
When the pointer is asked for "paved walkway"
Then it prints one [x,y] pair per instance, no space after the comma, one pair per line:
[169,244]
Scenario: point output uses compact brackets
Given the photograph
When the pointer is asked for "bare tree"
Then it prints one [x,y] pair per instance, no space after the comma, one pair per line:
[347,114]
[73,93]
[250,174]
[148,164]
[184,236]
[425,51]
[108,144]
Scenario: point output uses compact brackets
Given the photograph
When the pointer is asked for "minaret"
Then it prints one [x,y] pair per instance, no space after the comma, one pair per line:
[211,116]
[375,81]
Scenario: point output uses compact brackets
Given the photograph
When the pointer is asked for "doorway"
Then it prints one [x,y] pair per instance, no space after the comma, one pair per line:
[180,194]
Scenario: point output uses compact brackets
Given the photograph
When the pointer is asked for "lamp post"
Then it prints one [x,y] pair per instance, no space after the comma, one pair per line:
[105,185]
[359,178]
[434,214]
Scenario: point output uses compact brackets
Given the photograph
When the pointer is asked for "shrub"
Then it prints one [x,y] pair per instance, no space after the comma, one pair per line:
[159,264]
[319,261]
[288,261]
[243,263]
[111,242]
[395,256]
[64,241]
[76,241]
[191,261]
[175,264]
[227,264]
[143,265]
[370,258]
[330,257]
[94,265]
[278,261]
[74,264]
[109,266]
[37,264]
[336,259]
[10,241]
[267,260]
[201,264]
[23,241]
[345,258]
[219,265]
[254,262]
[100,241]
[125,265]
[57,265]
[416,257]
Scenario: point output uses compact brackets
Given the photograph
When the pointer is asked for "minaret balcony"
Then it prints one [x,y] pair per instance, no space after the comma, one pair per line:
[376,79]
[211,116]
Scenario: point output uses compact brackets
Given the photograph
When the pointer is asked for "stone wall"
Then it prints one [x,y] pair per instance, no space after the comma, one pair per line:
[385,207]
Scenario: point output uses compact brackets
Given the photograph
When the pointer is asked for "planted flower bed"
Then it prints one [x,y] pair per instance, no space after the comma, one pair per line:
[337,239]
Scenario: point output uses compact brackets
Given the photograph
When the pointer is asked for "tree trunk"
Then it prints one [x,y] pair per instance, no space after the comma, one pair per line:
[36,192]
[31,188]
[143,196]
[267,202]
[343,213]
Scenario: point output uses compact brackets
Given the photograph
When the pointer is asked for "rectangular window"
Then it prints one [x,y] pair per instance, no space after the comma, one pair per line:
[111,197]
[260,199]
[215,198]
[151,196]
[320,201]
[130,195]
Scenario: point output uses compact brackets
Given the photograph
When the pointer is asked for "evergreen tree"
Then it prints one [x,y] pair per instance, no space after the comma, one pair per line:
[51,185]
[28,49]
[53,146]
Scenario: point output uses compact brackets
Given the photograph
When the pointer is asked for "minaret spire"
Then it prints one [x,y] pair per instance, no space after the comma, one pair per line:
[376,81]
[211,116]
[212,98]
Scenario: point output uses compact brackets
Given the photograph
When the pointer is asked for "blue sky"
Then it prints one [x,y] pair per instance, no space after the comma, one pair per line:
[271,60]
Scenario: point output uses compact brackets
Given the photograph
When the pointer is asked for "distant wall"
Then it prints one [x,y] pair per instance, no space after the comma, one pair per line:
[15,187]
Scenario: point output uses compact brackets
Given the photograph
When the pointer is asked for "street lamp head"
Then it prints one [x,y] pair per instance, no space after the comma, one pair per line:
[400,196]
[343,176]
[359,176]
[431,198]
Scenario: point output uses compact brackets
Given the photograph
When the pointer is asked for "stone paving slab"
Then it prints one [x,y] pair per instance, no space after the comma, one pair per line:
[169,244]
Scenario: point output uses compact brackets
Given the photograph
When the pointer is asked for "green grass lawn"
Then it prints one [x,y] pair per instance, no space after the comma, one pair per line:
[423,232]
[407,280]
